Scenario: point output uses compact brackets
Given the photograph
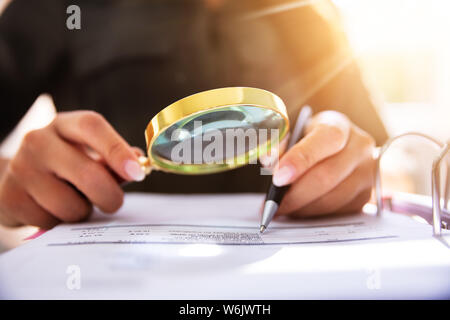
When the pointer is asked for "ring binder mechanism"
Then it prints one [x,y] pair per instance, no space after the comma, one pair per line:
[438,215]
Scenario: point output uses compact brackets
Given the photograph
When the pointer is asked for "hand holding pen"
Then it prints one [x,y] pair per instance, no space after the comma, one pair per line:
[330,170]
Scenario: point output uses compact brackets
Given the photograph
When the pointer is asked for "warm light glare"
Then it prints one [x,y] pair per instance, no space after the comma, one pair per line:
[397,25]
[403,44]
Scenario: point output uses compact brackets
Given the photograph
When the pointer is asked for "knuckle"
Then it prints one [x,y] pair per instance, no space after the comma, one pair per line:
[116,149]
[34,140]
[90,121]
[16,167]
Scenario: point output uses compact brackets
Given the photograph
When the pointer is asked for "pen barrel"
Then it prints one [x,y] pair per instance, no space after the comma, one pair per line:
[276,193]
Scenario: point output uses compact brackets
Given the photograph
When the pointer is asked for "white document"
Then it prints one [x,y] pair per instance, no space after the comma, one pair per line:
[362,228]
[161,246]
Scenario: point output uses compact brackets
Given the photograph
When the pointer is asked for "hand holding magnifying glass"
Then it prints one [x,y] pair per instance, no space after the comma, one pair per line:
[52,178]
[79,160]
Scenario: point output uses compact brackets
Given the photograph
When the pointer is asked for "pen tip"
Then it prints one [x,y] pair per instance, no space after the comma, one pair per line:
[261,230]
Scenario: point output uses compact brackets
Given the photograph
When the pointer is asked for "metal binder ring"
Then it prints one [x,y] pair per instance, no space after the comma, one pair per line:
[435,179]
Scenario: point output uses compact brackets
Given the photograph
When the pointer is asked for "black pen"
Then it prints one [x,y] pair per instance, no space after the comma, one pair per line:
[275,194]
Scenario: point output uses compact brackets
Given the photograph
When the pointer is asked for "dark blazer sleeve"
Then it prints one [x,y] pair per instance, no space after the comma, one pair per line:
[31,46]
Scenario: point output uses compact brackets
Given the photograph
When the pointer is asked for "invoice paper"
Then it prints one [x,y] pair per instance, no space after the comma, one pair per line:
[219,234]
[192,246]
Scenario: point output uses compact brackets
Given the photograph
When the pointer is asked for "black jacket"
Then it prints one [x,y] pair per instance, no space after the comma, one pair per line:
[132,58]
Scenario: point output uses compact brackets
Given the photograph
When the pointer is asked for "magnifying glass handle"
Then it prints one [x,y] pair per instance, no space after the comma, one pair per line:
[145,164]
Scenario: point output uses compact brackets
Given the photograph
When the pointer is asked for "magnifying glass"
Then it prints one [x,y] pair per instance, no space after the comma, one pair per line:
[215,131]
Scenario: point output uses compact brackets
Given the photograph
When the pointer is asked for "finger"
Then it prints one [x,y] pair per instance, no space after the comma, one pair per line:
[138,151]
[122,182]
[55,196]
[357,203]
[22,208]
[92,129]
[328,134]
[342,195]
[67,162]
[95,156]
[89,177]
[326,175]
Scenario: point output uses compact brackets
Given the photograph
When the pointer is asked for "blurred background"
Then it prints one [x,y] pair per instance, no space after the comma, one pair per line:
[403,48]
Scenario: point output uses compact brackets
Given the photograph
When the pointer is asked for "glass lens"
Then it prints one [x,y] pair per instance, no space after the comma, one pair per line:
[218,139]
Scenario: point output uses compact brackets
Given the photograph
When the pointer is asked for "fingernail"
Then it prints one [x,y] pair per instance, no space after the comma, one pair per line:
[283,176]
[134,170]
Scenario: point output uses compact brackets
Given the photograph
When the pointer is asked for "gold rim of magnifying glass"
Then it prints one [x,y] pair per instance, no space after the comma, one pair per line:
[201,102]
